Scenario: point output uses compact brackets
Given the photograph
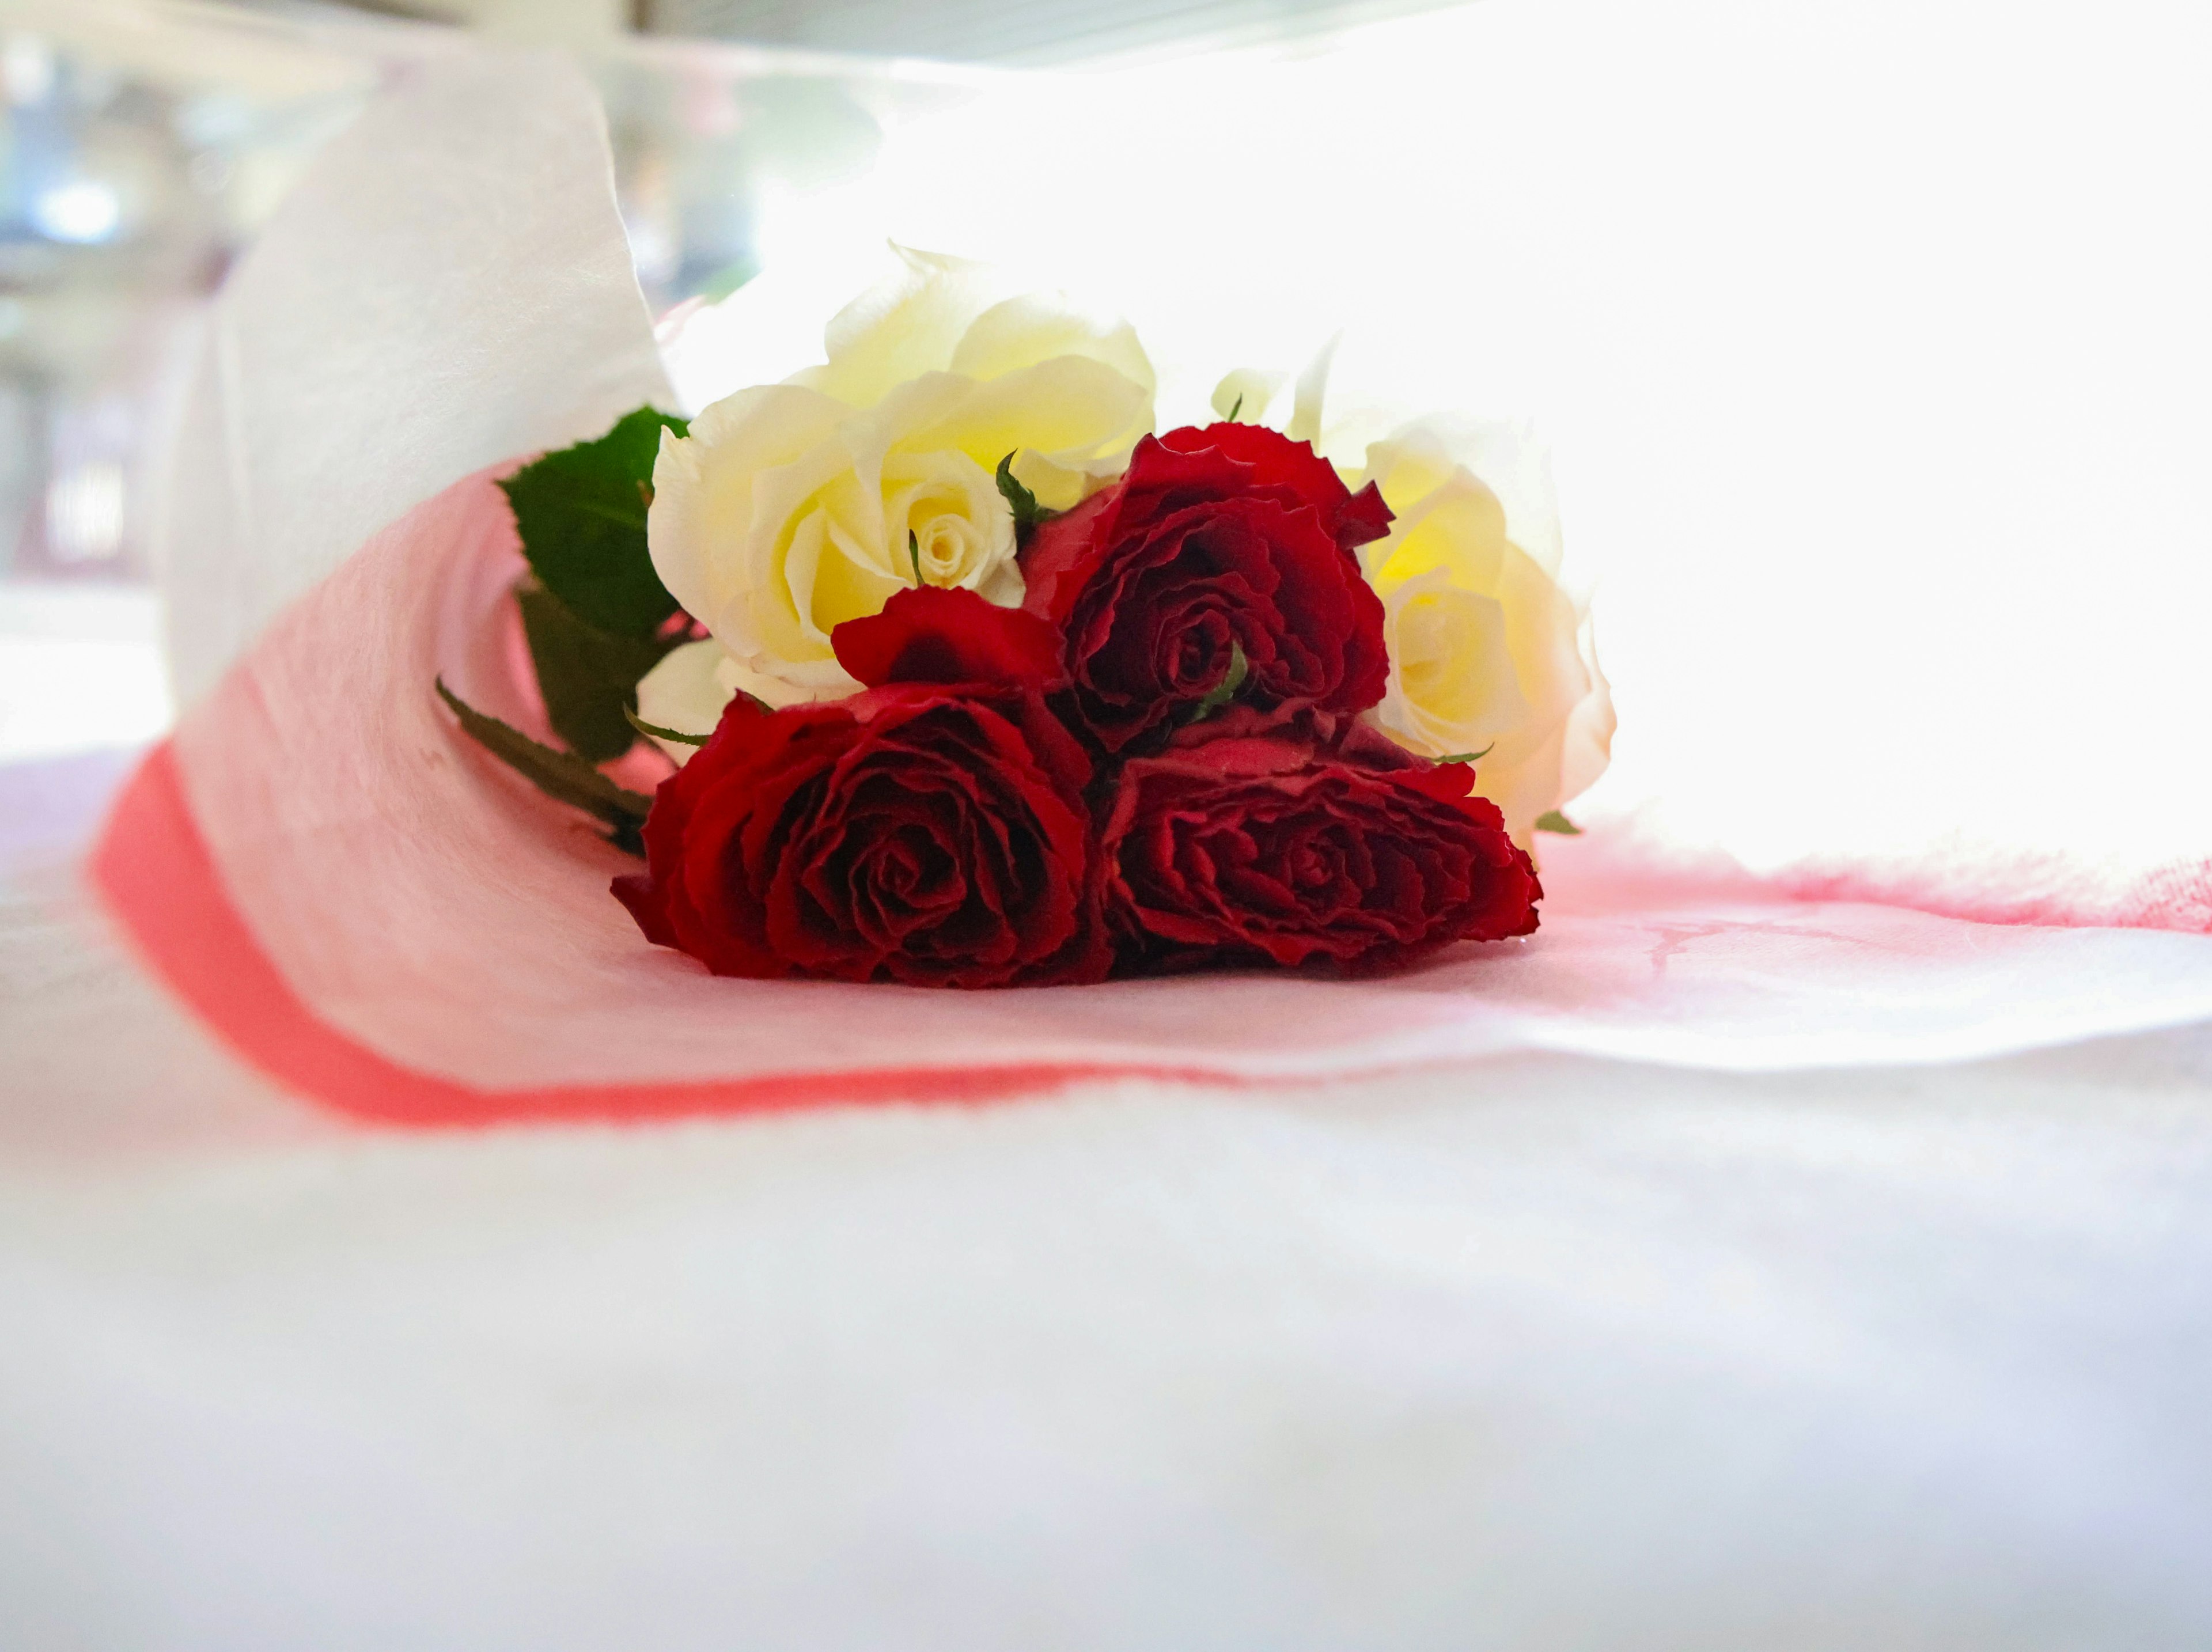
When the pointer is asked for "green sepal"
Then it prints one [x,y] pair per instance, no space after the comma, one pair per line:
[560,775]
[660,733]
[1019,500]
[589,676]
[1225,691]
[1552,821]
[1470,756]
[581,514]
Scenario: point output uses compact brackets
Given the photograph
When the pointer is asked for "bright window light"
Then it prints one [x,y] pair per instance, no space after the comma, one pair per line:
[83,213]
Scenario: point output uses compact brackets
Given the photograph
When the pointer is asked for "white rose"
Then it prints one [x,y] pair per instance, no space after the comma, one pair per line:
[792,507]
[1487,653]
[686,690]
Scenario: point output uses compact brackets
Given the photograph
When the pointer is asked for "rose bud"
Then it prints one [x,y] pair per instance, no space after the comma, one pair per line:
[930,829]
[1256,849]
[1218,543]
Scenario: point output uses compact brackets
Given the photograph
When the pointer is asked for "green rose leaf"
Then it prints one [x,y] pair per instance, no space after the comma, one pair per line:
[1469,757]
[582,515]
[1552,821]
[560,775]
[1019,500]
[589,676]
[677,735]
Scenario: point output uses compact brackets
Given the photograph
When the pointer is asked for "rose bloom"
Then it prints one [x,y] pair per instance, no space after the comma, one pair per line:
[1487,653]
[790,508]
[1218,539]
[1247,844]
[931,829]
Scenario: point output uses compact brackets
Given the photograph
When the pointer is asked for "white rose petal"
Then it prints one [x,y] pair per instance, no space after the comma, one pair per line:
[682,693]
[687,691]
[905,326]
[790,508]
[1247,394]
[1487,651]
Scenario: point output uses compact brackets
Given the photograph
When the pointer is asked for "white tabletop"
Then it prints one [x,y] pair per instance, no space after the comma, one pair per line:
[1538,1351]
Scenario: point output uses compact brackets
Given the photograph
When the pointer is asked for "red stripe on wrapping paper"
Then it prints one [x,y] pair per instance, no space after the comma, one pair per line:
[157,874]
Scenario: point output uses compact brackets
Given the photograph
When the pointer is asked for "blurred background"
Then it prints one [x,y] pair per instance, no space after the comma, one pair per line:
[144,140]
[1871,341]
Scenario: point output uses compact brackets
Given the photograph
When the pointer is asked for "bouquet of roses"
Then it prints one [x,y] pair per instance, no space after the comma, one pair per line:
[967,679]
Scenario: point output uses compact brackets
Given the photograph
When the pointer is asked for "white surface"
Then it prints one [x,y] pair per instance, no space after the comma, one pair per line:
[80,668]
[1538,1352]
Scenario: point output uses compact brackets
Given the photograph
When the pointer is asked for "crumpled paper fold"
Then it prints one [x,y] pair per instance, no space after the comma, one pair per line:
[448,286]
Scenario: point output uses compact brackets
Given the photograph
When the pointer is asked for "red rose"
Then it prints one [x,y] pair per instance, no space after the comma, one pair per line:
[1251,847]
[1232,534]
[931,829]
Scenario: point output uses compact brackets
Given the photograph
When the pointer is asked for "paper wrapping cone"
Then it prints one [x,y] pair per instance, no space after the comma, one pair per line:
[373,910]
[449,286]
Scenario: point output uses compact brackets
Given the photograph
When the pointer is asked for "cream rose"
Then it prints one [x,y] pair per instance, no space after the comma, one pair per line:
[792,507]
[1487,653]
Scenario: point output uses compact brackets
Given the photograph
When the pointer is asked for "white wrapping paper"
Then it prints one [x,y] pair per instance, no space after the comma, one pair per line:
[448,287]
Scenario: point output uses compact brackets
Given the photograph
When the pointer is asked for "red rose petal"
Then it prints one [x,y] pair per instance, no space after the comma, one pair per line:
[918,833]
[934,635]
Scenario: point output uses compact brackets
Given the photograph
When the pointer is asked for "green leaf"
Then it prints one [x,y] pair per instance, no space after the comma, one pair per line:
[1225,691]
[582,515]
[589,676]
[1552,821]
[560,775]
[1470,756]
[660,733]
[914,554]
[1235,410]
[1019,500]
